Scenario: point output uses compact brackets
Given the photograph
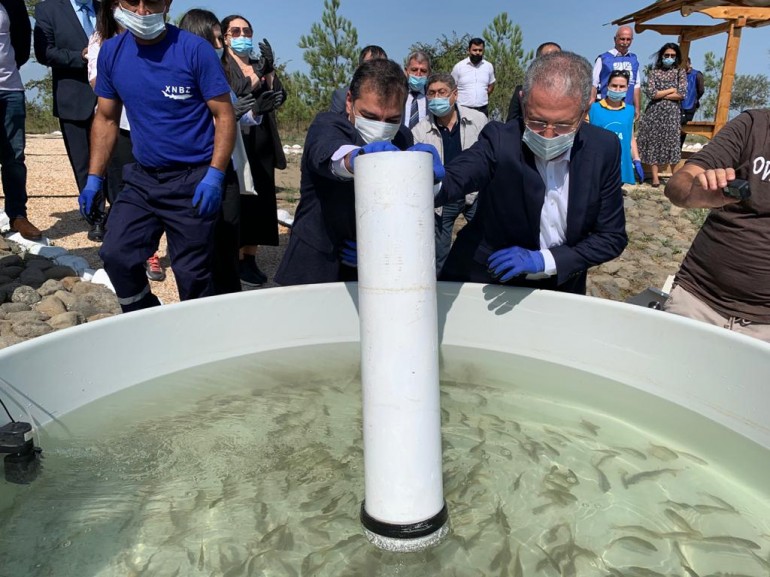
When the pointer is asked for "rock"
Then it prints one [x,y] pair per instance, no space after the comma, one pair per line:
[12,271]
[65,320]
[611,267]
[38,262]
[67,298]
[4,280]
[94,303]
[14,307]
[99,317]
[7,290]
[50,287]
[26,317]
[6,328]
[83,288]
[69,282]
[26,295]
[51,306]
[13,260]
[101,277]
[10,340]
[32,277]
[58,272]
[31,329]
[4,246]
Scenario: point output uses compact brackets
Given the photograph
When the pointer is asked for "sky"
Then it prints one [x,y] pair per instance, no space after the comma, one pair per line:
[578,25]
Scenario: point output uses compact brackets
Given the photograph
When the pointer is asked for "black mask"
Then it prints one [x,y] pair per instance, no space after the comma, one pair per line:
[476,58]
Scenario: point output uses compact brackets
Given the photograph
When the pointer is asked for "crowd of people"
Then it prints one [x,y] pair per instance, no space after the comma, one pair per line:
[172,130]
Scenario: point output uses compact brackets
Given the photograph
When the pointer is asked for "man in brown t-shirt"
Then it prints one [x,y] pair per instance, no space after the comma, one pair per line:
[725,277]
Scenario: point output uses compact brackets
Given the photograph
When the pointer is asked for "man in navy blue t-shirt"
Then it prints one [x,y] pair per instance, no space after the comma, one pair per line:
[183,126]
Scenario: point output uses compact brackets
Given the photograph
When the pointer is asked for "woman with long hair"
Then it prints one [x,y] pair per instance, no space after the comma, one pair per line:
[658,136]
[254,75]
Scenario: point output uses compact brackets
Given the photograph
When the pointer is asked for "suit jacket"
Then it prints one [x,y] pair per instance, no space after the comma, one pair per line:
[21,30]
[339,98]
[515,108]
[326,214]
[59,43]
[511,199]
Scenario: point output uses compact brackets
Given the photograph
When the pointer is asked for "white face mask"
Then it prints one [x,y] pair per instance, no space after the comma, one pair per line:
[374,130]
[547,148]
[145,27]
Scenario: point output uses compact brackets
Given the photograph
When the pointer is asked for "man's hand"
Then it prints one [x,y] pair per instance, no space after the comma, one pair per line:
[208,193]
[514,261]
[380,146]
[438,167]
[84,54]
[694,187]
[87,196]
[349,253]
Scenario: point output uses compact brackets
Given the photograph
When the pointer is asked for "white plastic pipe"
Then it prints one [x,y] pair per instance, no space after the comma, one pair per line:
[404,507]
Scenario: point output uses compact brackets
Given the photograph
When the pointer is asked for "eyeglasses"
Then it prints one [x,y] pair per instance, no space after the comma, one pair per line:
[559,129]
[442,93]
[235,32]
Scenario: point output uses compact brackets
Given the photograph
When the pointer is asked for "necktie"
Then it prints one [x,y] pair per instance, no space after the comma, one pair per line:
[414,113]
[85,19]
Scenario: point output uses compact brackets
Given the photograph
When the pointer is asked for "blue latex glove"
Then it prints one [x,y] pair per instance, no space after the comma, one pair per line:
[86,199]
[208,193]
[349,253]
[379,146]
[510,262]
[438,167]
[639,170]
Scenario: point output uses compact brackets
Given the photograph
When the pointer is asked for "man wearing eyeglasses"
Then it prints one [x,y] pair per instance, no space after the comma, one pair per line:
[550,201]
[177,100]
[451,128]
[619,58]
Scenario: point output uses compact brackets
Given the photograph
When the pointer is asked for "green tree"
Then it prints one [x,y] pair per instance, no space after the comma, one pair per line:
[31,6]
[298,111]
[504,50]
[331,50]
[445,52]
[749,91]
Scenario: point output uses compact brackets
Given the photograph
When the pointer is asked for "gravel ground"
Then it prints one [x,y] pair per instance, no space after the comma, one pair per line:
[52,207]
[659,233]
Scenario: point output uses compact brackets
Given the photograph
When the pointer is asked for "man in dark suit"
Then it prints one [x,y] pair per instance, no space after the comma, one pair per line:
[322,244]
[550,197]
[62,29]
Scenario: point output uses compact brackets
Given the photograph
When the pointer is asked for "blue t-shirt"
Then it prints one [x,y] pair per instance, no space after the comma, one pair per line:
[621,122]
[164,88]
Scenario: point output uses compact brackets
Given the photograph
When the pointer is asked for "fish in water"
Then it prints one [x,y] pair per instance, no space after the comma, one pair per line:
[590,427]
[645,476]
[604,482]
[662,453]
[679,521]
[635,543]
[732,541]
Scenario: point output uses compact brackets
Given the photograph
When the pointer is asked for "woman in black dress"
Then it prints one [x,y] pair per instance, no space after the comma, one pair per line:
[252,74]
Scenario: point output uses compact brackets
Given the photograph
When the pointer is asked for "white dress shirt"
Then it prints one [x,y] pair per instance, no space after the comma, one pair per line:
[473,81]
[553,216]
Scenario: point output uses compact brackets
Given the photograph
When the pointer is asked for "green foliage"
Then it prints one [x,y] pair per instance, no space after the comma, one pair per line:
[445,52]
[749,91]
[31,6]
[504,41]
[300,107]
[40,119]
[331,50]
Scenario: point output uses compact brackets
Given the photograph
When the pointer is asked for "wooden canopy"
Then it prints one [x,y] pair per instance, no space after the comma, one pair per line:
[735,15]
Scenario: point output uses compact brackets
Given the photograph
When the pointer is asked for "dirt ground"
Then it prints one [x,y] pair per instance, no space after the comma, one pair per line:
[659,233]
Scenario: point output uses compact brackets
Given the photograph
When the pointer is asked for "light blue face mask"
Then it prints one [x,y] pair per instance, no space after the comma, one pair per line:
[669,61]
[242,45]
[147,27]
[220,52]
[547,148]
[616,94]
[417,83]
[439,106]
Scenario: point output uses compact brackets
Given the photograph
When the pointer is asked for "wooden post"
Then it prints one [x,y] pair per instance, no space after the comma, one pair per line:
[684,47]
[728,75]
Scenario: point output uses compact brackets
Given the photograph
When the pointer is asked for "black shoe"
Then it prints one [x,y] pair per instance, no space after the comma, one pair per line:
[96,233]
[250,273]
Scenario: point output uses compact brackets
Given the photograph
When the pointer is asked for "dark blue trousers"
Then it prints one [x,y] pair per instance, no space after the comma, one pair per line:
[13,116]
[445,225]
[154,201]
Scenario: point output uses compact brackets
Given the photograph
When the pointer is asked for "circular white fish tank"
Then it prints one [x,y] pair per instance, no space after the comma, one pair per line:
[224,437]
